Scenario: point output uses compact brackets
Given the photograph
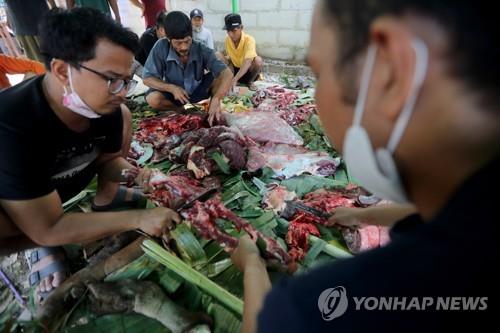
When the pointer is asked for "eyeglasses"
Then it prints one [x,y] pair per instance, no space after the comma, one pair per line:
[115,85]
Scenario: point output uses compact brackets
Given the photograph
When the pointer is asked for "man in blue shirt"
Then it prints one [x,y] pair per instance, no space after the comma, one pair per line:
[180,71]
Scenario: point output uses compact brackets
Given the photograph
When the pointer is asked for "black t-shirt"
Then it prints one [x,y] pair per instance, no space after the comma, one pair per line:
[454,255]
[147,41]
[39,154]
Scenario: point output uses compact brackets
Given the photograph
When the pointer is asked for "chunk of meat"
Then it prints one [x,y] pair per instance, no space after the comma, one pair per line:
[203,215]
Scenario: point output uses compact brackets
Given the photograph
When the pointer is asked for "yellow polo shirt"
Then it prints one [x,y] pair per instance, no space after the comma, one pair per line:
[245,50]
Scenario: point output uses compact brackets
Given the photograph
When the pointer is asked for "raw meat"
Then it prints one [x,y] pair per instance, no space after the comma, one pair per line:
[297,238]
[288,161]
[203,215]
[365,237]
[174,190]
[264,127]
[276,196]
[197,147]
[358,239]
[163,132]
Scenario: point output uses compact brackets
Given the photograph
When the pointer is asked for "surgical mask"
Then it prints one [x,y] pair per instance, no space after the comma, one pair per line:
[196,29]
[376,170]
[73,101]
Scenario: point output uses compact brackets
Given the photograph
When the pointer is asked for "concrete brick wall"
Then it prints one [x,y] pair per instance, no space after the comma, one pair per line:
[280,27]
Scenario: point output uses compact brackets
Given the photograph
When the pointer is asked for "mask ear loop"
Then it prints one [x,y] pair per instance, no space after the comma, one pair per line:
[365,84]
[421,63]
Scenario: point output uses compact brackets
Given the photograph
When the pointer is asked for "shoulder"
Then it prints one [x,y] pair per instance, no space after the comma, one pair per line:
[202,49]
[161,46]
[23,105]
[249,38]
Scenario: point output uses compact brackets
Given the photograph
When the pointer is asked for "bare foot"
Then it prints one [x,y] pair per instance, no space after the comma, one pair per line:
[52,280]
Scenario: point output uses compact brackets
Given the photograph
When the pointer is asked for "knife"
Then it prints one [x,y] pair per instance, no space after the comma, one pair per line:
[292,207]
[202,197]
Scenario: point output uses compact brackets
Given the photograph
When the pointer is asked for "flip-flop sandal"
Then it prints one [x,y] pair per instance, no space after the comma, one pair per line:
[119,200]
[57,266]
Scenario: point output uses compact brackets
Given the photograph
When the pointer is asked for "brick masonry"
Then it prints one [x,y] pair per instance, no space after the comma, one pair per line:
[280,27]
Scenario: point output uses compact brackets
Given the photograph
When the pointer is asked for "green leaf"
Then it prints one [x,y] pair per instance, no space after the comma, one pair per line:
[138,269]
[188,246]
[120,323]
[220,159]
[164,166]
[341,175]
[305,184]
[314,250]
[169,280]
[265,221]
[218,267]
[224,321]
[192,276]
[148,153]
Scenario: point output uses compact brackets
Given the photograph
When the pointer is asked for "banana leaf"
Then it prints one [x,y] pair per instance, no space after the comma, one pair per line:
[313,252]
[148,153]
[224,321]
[221,162]
[138,269]
[216,268]
[192,276]
[188,246]
[305,184]
[168,280]
[120,323]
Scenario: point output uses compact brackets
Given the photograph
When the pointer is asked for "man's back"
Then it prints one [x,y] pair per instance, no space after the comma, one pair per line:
[431,277]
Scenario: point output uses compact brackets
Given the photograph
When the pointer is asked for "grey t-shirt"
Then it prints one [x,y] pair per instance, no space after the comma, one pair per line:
[204,37]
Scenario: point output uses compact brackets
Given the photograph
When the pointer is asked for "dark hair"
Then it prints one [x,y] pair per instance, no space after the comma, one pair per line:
[178,25]
[471,27]
[72,35]
[161,19]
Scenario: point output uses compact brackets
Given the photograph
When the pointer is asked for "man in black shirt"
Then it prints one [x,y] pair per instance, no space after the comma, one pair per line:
[58,131]
[150,37]
[409,89]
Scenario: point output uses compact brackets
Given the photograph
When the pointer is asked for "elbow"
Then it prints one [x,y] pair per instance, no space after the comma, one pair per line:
[45,238]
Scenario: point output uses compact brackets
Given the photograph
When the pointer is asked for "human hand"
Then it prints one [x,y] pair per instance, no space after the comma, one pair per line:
[214,110]
[180,94]
[347,217]
[246,253]
[158,221]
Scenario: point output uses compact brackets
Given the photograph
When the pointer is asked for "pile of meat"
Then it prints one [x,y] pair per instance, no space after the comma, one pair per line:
[196,149]
[175,190]
[288,161]
[302,224]
[202,216]
[281,101]
[164,132]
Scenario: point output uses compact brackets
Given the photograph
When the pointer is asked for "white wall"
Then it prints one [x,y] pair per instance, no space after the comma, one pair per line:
[280,27]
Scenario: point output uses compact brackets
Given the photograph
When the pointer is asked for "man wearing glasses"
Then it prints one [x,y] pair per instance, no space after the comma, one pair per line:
[180,70]
[60,130]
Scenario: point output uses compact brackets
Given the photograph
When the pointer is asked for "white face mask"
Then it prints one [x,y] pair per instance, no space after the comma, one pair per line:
[73,102]
[376,170]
